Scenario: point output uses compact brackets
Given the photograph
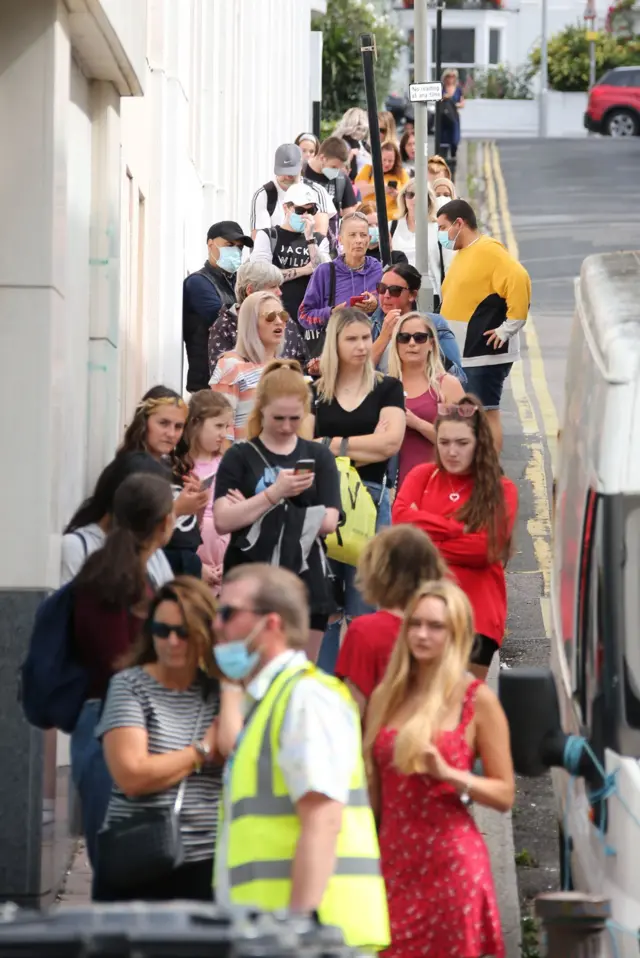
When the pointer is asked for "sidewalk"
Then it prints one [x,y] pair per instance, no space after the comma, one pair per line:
[76,889]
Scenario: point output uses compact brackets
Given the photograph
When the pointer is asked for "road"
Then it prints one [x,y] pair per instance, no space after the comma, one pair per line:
[553,203]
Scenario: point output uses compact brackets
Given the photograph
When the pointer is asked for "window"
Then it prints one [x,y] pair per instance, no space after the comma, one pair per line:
[494,47]
[458,50]
[621,78]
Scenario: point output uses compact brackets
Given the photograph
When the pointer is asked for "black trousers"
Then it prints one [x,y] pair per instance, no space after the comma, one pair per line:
[195,332]
[193,882]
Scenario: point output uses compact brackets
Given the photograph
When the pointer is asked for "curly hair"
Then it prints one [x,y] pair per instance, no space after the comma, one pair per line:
[393,565]
[135,437]
[486,507]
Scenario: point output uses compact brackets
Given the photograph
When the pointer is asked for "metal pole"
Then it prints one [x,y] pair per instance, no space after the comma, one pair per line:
[368,50]
[438,129]
[544,74]
[592,62]
[425,297]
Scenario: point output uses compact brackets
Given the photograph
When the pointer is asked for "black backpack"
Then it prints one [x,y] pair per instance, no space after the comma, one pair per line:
[314,338]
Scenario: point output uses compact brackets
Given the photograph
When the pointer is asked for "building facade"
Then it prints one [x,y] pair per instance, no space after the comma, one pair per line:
[129,126]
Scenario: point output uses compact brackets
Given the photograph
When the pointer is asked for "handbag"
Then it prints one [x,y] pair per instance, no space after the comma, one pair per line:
[358,517]
[146,845]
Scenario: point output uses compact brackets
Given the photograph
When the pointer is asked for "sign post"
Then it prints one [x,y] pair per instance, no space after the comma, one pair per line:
[592,36]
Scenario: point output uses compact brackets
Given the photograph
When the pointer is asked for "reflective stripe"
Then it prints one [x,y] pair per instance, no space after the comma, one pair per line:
[269,805]
[265,871]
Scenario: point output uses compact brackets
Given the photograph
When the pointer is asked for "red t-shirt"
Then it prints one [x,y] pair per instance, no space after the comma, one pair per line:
[365,650]
[466,553]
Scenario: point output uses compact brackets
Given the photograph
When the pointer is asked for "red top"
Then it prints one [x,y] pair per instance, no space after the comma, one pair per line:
[102,635]
[464,552]
[365,649]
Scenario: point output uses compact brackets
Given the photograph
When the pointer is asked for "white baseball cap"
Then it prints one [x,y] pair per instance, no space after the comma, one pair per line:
[300,194]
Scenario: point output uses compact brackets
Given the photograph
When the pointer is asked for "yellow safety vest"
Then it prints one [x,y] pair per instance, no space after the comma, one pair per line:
[264,828]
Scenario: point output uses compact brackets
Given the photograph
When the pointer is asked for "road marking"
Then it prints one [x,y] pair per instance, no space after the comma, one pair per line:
[539,525]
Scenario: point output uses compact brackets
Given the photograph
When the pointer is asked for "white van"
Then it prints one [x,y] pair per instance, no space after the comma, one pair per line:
[595,594]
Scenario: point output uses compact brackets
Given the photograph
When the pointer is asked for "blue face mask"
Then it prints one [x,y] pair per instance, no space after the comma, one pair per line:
[296,223]
[234,659]
[330,173]
[374,235]
[230,259]
[445,242]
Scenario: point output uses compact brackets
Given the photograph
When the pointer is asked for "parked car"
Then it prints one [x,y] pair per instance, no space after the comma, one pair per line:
[614,103]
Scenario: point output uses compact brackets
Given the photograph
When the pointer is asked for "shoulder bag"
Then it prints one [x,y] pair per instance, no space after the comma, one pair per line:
[145,846]
[358,514]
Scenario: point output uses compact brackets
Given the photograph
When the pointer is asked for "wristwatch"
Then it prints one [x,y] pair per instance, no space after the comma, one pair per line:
[203,749]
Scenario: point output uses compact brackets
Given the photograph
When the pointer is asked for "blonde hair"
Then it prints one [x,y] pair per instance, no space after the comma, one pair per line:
[399,681]
[354,123]
[443,181]
[433,368]
[437,162]
[281,377]
[401,203]
[248,342]
[340,320]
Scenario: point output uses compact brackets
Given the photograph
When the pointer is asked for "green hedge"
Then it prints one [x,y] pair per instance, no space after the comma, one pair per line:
[568,57]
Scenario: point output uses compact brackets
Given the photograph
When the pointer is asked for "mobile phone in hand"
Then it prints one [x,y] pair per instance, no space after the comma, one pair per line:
[357,300]
[304,466]
[393,184]
[207,483]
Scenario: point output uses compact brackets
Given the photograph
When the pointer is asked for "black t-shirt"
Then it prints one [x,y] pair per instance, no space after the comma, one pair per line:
[243,469]
[186,534]
[348,196]
[291,252]
[332,420]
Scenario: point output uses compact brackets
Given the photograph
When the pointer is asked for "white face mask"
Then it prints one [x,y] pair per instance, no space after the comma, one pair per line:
[442,201]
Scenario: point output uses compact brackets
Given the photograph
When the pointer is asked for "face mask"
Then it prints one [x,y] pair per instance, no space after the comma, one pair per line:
[230,259]
[445,242]
[296,223]
[234,659]
[374,235]
[330,173]
[442,201]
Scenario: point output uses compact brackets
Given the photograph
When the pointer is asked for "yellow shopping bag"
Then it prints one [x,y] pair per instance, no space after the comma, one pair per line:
[358,516]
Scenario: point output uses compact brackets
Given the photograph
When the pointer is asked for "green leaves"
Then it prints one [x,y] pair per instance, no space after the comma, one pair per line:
[499,83]
[568,56]
[342,80]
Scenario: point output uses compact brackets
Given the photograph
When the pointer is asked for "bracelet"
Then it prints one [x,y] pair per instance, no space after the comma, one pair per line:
[197,762]
[266,495]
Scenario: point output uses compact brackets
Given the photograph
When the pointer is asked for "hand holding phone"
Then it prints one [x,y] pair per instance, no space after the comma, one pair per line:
[207,483]
[357,300]
[304,466]
[393,184]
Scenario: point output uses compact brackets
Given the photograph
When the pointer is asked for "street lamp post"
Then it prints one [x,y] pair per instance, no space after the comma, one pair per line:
[425,297]
[368,52]
[544,74]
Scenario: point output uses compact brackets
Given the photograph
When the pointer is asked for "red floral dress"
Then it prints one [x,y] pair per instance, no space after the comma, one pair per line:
[442,901]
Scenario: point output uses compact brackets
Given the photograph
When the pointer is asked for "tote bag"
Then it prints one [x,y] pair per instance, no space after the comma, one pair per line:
[358,516]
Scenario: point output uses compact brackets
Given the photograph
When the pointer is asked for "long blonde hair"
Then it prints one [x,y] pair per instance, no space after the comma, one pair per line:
[330,362]
[280,377]
[399,681]
[433,368]
[248,342]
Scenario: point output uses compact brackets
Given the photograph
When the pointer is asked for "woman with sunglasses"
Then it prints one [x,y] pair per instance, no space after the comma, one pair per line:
[469,509]
[278,494]
[261,326]
[159,731]
[414,358]
[294,247]
[403,237]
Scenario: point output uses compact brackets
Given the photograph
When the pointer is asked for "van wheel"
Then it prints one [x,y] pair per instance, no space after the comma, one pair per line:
[566,881]
[622,123]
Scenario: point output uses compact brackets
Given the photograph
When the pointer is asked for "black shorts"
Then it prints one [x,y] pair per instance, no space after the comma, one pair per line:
[483,650]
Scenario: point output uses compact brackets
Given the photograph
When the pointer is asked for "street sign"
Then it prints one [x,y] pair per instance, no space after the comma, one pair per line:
[425,92]
[592,36]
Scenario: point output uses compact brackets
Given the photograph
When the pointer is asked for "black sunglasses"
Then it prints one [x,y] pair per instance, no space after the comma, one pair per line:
[394,291]
[160,630]
[301,210]
[227,612]
[419,338]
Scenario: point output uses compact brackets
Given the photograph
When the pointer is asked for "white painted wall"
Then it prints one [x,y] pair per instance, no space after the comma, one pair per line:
[515,118]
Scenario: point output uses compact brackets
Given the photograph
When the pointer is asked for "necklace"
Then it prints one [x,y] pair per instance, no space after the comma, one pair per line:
[453,495]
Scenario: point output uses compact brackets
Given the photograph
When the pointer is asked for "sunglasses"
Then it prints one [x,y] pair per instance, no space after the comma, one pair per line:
[271,317]
[227,612]
[393,291]
[301,210]
[464,410]
[160,630]
[382,132]
[410,194]
[419,338]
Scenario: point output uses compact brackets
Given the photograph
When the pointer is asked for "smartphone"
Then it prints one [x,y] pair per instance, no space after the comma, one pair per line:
[393,184]
[303,466]
[207,483]
[356,300]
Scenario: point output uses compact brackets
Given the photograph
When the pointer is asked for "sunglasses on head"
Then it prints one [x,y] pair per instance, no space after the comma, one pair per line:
[394,291]
[301,210]
[160,630]
[419,338]
[271,317]
[465,410]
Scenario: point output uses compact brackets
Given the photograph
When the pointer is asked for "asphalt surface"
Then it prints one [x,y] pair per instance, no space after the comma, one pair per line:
[567,199]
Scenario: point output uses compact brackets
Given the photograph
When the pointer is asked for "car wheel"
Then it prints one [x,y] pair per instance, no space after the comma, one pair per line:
[622,123]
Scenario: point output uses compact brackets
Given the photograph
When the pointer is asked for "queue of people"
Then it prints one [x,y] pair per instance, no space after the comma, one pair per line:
[288,593]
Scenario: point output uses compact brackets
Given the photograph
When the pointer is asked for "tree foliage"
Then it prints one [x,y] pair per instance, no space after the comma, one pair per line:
[568,57]
[342,79]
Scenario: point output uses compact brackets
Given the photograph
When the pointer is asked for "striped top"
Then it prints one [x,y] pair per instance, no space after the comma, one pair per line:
[137,700]
[237,379]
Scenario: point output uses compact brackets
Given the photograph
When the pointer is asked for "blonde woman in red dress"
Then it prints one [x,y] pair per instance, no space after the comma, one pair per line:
[426,723]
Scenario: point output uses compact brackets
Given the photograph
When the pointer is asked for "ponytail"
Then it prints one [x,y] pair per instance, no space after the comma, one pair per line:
[115,574]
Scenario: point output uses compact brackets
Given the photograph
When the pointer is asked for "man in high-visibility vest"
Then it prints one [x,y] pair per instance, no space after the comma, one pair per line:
[297,831]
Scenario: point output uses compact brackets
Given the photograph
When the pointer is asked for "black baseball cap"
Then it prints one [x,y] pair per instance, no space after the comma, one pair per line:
[227,229]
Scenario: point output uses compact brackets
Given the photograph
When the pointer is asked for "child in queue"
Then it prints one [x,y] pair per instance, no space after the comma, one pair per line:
[210,416]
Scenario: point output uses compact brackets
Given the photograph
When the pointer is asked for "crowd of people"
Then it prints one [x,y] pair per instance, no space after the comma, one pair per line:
[288,591]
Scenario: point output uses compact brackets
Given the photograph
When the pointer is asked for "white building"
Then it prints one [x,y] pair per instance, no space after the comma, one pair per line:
[128,127]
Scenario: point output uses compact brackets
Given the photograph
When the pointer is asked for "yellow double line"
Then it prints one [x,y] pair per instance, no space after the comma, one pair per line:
[536,430]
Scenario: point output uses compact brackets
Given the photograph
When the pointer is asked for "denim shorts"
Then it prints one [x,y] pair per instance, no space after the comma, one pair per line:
[487,382]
